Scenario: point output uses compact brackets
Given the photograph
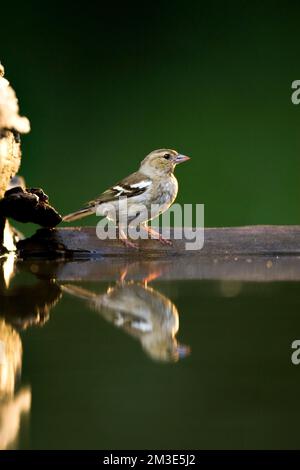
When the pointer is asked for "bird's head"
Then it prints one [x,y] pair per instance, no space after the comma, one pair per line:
[162,161]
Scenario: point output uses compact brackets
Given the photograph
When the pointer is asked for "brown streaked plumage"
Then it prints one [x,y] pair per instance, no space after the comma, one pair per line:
[153,183]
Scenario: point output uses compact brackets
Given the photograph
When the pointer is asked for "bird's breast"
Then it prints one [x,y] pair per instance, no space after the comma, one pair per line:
[166,193]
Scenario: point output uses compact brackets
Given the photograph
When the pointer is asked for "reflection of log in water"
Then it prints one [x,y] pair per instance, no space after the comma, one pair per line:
[11,406]
[10,416]
[10,358]
[142,312]
[25,304]
[20,306]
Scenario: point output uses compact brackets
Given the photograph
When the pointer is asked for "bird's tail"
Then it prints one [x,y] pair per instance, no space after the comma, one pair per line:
[78,291]
[78,214]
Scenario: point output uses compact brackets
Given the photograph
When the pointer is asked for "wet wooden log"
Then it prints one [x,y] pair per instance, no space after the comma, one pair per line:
[82,242]
[257,253]
[29,205]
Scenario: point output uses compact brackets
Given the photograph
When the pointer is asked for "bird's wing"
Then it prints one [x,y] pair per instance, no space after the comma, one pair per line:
[132,185]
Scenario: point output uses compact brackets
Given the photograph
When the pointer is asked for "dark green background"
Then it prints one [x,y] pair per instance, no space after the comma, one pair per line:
[104,85]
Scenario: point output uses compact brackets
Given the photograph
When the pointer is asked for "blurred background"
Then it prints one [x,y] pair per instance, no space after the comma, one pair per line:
[105,84]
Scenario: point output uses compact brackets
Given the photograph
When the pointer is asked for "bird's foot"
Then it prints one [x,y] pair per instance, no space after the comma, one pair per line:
[151,277]
[125,241]
[129,244]
[123,275]
[165,241]
[157,236]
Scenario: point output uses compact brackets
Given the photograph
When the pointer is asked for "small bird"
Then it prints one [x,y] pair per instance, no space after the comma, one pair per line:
[154,186]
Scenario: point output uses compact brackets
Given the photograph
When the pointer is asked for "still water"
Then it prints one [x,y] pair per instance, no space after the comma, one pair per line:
[146,364]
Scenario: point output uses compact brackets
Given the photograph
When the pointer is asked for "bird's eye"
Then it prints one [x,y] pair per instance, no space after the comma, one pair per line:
[167,156]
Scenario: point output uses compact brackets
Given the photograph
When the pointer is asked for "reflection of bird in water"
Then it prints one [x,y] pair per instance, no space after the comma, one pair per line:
[11,406]
[142,312]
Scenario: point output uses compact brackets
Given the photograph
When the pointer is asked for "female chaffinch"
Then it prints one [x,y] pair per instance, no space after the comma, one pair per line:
[153,186]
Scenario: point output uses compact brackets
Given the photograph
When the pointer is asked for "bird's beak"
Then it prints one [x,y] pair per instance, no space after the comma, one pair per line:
[183,351]
[181,158]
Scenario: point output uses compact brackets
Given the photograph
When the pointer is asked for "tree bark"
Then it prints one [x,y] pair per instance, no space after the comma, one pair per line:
[11,126]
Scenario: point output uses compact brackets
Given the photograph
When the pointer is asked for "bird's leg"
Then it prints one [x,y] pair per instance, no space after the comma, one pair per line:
[124,239]
[151,277]
[156,235]
[123,275]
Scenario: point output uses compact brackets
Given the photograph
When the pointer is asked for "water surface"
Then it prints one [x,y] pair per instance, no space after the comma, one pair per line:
[157,365]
